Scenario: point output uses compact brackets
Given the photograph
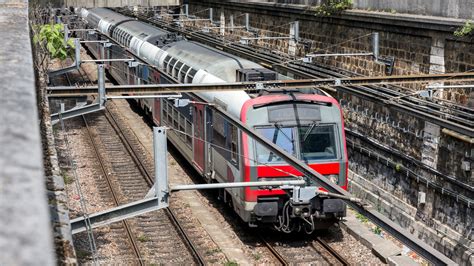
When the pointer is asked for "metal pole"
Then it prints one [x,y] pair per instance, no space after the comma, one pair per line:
[77,46]
[375,45]
[186,10]
[210,14]
[296,30]
[247,22]
[263,184]
[161,165]
[101,83]
[231,23]
[66,34]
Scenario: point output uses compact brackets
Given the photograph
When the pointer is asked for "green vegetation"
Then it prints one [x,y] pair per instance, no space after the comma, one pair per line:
[231,263]
[143,238]
[362,218]
[52,36]
[257,256]
[213,251]
[377,230]
[83,254]
[330,7]
[67,179]
[464,30]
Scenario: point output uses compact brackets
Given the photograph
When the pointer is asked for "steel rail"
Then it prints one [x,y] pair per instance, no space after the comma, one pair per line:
[334,253]
[404,236]
[377,218]
[128,230]
[150,181]
[274,252]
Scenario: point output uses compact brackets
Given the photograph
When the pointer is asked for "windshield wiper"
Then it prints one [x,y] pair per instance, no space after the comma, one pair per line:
[308,131]
[275,136]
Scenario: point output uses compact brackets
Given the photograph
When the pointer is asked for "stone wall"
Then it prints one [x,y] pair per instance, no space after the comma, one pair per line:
[395,156]
[444,8]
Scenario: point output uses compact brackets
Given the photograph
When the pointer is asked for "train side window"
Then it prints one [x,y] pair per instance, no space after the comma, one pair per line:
[234,144]
[218,132]
[182,124]
[165,111]
[175,118]
[189,132]
[170,114]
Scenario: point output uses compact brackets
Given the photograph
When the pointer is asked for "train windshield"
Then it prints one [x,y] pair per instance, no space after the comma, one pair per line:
[309,143]
[281,136]
[317,142]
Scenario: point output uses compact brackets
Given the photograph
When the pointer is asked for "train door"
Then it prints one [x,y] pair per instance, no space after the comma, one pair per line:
[198,146]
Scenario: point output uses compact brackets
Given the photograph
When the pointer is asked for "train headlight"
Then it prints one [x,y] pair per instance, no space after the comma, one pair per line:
[333,178]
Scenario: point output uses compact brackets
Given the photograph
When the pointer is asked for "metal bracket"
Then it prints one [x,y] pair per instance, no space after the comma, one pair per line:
[74,65]
[91,108]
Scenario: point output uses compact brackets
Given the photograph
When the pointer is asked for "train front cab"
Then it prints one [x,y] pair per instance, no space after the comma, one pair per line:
[311,128]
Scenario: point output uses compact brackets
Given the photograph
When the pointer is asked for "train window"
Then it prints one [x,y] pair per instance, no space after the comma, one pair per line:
[170,65]
[189,132]
[317,142]
[175,118]
[170,114]
[281,136]
[165,111]
[182,74]
[190,76]
[176,69]
[182,124]
[218,131]
[234,144]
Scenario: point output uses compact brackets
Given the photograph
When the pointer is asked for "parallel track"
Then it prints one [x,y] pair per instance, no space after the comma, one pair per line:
[447,114]
[308,252]
[129,188]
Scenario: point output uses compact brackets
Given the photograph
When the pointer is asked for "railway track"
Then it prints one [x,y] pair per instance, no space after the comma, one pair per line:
[150,237]
[295,251]
[445,113]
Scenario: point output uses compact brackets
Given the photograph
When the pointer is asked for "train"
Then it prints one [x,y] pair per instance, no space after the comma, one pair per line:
[306,123]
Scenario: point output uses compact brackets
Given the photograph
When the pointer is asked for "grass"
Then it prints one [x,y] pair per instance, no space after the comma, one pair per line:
[362,218]
[257,256]
[143,238]
[67,179]
[231,263]
[213,251]
[83,254]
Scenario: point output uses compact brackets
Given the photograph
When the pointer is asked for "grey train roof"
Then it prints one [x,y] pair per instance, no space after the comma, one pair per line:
[198,56]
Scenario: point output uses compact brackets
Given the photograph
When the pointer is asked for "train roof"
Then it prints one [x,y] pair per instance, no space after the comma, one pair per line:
[219,63]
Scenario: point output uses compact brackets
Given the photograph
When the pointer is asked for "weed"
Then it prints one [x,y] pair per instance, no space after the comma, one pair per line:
[213,251]
[465,30]
[67,179]
[377,230]
[257,256]
[362,218]
[231,263]
[83,254]
[143,238]
[330,7]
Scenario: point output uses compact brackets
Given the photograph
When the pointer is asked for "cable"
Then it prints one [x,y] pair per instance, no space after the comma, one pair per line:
[236,153]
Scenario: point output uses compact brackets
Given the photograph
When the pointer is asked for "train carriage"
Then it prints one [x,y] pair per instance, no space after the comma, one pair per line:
[308,125]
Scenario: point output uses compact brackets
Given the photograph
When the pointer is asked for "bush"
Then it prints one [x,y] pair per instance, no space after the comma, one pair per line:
[52,36]
[330,7]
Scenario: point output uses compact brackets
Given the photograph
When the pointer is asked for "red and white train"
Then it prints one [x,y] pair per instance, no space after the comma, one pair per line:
[308,125]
